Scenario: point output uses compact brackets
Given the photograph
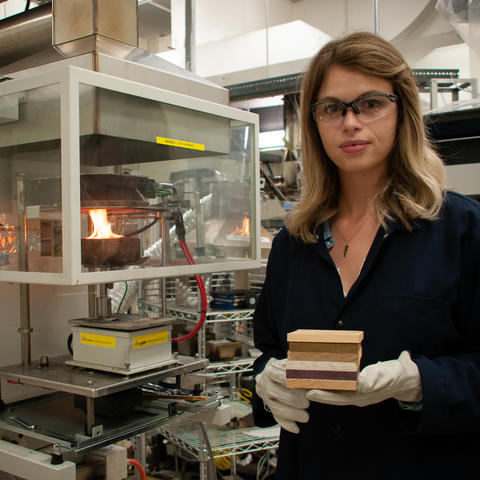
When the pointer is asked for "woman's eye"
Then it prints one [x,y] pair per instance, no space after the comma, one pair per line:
[370,104]
[330,108]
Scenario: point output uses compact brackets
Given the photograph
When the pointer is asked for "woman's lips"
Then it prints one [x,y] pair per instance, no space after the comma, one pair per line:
[354,146]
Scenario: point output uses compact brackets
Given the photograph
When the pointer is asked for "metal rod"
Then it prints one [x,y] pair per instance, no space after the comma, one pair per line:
[164,297]
[165,237]
[233,469]
[24,330]
[206,446]
[103,289]
[104,302]
[92,301]
[190,53]
[140,451]
[141,297]
[176,458]
[90,415]
[375,16]
[22,224]
[200,221]
[267,43]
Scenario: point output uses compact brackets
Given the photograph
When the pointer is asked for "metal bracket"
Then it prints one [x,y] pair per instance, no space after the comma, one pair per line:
[25,330]
[97,430]
[190,380]
[172,409]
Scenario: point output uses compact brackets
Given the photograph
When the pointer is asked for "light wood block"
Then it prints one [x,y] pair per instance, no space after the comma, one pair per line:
[324,359]
[318,384]
[314,365]
[324,356]
[325,336]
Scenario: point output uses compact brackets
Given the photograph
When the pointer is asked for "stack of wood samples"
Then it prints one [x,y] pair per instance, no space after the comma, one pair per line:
[324,359]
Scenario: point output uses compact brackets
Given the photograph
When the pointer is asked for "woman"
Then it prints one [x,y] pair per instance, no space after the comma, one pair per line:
[377,244]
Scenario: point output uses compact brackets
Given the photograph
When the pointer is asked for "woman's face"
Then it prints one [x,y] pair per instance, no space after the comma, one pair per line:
[353,145]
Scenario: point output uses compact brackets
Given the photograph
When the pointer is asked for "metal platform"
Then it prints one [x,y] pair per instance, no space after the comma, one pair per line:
[55,419]
[59,417]
[124,371]
[123,322]
[92,383]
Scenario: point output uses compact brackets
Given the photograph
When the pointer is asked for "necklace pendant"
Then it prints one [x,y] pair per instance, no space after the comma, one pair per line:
[345,250]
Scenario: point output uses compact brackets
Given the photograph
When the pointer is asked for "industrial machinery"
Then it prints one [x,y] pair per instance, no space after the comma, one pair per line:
[109,179]
[455,131]
[82,148]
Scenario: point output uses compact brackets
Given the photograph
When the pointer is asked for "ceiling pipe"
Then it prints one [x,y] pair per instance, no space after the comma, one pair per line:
[26,33]
[190,49]
[108,27]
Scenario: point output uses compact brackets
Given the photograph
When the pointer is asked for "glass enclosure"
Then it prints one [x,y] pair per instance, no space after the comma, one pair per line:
[153,186]
[30,192]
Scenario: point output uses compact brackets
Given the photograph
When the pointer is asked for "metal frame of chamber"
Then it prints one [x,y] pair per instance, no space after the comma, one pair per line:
[68,79]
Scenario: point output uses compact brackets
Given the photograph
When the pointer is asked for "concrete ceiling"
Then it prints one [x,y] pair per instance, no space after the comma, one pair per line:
[154,18]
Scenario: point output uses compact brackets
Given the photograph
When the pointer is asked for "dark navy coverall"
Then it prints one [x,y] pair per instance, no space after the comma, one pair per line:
[417,291]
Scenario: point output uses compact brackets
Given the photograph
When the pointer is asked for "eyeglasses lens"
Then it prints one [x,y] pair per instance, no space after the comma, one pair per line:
[368,109]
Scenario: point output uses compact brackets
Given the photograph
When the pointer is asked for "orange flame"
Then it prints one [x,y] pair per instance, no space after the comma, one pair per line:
[244,231]
[102,228]
[8,239]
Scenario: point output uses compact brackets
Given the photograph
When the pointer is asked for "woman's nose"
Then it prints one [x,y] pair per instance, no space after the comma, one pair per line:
[350,120]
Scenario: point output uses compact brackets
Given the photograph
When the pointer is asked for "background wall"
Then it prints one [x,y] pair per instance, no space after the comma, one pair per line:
[244,40]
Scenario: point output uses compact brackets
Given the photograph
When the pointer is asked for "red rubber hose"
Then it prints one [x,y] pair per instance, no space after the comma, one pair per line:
[138,465]
[203,295]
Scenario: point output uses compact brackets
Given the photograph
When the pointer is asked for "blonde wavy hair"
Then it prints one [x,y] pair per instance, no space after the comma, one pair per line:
[415,184]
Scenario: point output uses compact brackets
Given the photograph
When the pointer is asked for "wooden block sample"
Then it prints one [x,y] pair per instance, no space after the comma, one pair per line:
[324,359]
[325,336]
[326,356]
[322,384]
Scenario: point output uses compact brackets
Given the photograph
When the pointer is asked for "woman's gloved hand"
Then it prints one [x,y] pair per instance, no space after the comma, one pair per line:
[399,379]
[288,406]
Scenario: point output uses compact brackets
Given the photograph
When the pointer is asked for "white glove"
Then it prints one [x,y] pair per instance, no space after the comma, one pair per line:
[286,405]
[399,379]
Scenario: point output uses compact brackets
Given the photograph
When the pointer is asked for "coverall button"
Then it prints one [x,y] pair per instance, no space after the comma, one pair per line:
[339,324]
[336,429]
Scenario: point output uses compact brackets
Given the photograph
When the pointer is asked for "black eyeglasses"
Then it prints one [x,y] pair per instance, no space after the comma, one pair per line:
[368,108]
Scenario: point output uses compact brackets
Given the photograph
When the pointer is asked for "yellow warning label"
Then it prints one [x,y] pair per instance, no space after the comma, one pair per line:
[180,143]
[97,340]
[150,339]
